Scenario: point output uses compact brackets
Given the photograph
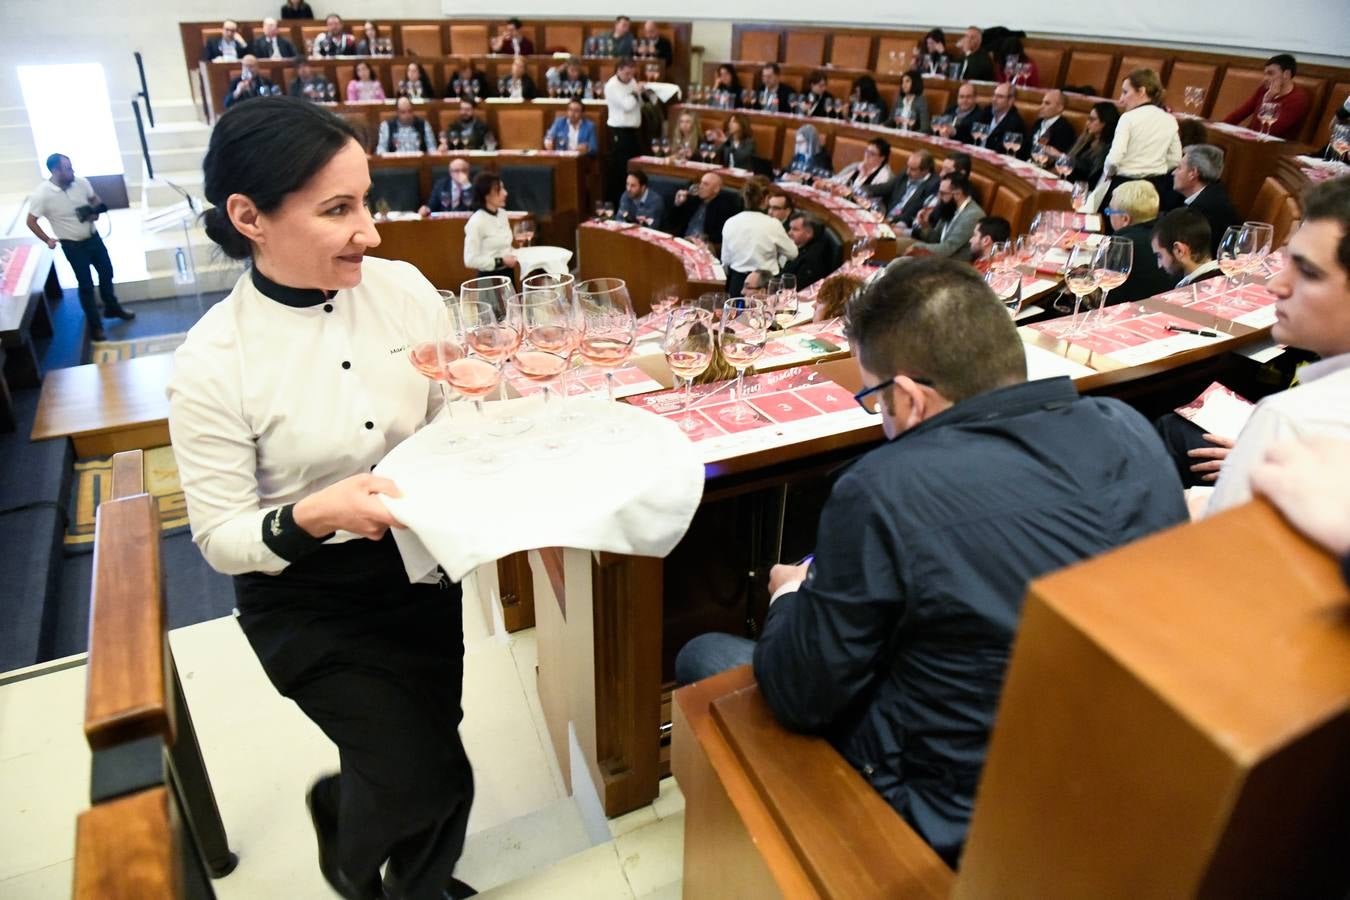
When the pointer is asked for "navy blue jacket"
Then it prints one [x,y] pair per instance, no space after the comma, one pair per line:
[895,646]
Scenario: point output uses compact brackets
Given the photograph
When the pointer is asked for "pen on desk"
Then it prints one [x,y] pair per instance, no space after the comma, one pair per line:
[1200,331]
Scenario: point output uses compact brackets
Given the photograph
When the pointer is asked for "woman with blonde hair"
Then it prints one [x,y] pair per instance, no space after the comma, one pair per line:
[684,136]
[1147,145]
[833,296]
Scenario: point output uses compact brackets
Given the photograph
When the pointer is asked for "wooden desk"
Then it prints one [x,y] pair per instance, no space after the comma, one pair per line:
[23,316]
[434,245]
[105,409]
[644,263]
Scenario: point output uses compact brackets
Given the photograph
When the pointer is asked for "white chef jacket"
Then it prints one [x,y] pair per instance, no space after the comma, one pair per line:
[624,103]
[755,241]
[271,402]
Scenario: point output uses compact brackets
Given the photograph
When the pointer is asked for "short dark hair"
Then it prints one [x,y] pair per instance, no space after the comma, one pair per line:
[961,160]
[1184,225]
[996,228]
[773,66]
[577,102]
[332,16]
[640,175]
[880,145]
[266,149]
[55,160]
[484,183]
[1285,61]
[926,164]
[936,318]
[626,62]
[775,191]
[816,77]
[1330,202]
[958,181]
[622,19]
[514,22]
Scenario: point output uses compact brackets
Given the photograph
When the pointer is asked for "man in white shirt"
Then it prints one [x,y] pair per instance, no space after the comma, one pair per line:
[623,96]
[1051,128]
[71,207]
[1181,246]
[1312,312]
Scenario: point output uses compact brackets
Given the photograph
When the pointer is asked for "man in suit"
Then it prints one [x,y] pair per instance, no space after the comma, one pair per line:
[229,46]
[249,83]
[904,197]
[701,212]
[308,83]
[1196,181]
[452,192]
[658,44]
[573,131]
[335,41]
[816,256]
[948,230]
[1181,246]
[640,202]
[773,95]
[472,130]
[963,113]
[978,65]
[272,45]
[1132,209]
[1004,119]
[1051,128]
[512,40]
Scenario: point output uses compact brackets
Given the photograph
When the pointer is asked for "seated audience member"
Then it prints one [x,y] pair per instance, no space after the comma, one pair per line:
[364,86]
[308,83]
[931,53]
[511,39]
[962,114]
[911,106]
[778,204]
[296,9]
[809,158]
[573,80]
[946,230]
[518,85]
[416,84]
[865,96]
[977,65]
[1291,100]
[1309,482]
[468,83]
[989,231]
[726,89]
[641,204]
[1011,49]
[1146,145]
[1089,151]
[752,240]
[1132,209]
[904,197]
[772,95]
[1191,131]
[228,47]
[473,132]
[1312,313]
[657,44]
[684,136]
[892,643]
[1196,183]
[1342,118]
[1051,129]
[573,131]
[816,256]
[871,169]
[1004,119]
[452,192]
[817,98]
[735,142]
[834,295]
[249,83]
[334,41]
[954,162]
[271,44]
[1181,242]
[406,132]
[369,42]
[701,212]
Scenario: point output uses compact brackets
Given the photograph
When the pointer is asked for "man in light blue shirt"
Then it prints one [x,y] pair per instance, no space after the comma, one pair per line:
[572,131]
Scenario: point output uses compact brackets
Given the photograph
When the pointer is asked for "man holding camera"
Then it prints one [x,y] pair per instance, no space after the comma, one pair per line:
[71,207]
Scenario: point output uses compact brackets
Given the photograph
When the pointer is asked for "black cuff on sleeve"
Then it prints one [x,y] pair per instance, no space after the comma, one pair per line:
[287,539]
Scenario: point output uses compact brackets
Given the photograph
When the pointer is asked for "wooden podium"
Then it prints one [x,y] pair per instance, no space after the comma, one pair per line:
[1175,723]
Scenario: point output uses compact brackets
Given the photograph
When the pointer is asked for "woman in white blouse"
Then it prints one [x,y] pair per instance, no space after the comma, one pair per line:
[753,240]
[364,86]
[1146,146]
[488,241]
[871,169]
[284,396]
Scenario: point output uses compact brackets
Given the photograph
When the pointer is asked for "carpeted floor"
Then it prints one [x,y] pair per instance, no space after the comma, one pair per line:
[92,485]
[104,352]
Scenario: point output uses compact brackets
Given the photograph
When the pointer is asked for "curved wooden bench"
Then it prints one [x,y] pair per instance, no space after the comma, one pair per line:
[646,261]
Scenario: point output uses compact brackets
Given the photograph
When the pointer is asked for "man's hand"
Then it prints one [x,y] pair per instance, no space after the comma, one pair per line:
[509,259]
[782,574]
[583,147]
[1310,483]
[1212,457]
[51,242]
[424,211]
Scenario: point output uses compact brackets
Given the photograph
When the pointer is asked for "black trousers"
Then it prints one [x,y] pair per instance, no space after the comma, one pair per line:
[735,282]
[624,145]
[82,256]
[1180,436]
[378,664]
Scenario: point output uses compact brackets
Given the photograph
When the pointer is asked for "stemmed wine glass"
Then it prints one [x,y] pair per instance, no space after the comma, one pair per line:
[783,298]
[980,131]
[608,325]
[1267,114]
[484,303]
[1081,280]
[1195,97]
[547,326]
[423,354]
[1064,164]
[1262,244]
[1235,253]
[688,345]
[523,232]
[863,248]
[1006,283]
[473,376]
[1340,140]
[745,329]
[1012,142]
[1081,191]
[1111,265]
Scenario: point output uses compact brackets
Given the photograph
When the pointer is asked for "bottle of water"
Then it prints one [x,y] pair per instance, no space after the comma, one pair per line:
[181,273]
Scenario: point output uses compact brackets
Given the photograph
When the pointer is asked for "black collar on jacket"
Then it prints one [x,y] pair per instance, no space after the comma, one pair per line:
[300,298]
[1004,402]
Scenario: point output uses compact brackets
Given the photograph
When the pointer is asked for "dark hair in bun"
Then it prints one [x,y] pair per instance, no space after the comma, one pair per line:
[265,149]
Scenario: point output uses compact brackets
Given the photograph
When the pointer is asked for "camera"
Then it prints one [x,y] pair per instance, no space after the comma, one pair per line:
[88,212]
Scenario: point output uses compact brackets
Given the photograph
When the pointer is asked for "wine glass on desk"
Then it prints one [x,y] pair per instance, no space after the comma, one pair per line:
[863,248]
[980,132]
[1081,280]
[1235,253]
[1012,143]
[1064,165]
[1268,113]
[688,345]
[1111,265]
[745,330]
[1262,243]
[608,325]
[784,299]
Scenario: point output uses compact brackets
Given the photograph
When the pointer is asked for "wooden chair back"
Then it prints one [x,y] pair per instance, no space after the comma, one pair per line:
[468,40]
[1185,74]
[851,51]
[569,38]
[1237,85]
[759,46]
[804,48]
[422,40]
[520,129]
[1089,68]
[1049,63]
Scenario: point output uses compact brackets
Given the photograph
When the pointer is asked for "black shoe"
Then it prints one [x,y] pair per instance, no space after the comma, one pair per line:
[322,801]
[98,334]
[459,889]
[454,891]
[122,313]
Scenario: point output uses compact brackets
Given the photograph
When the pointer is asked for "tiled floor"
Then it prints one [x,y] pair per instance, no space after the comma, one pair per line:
[526,837]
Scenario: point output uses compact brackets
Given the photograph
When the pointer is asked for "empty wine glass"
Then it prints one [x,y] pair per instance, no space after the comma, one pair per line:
[688,345]
[745,329]
[1006,284]
[1111,265]
[1235,253]
[608,326]
[1081,280]
[1195,97]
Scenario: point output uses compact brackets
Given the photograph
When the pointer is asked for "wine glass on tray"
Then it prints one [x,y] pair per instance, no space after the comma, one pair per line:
[608,328]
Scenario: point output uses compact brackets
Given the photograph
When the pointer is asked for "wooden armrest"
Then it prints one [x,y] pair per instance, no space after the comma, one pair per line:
[127,696]
[127,849]
[128,473]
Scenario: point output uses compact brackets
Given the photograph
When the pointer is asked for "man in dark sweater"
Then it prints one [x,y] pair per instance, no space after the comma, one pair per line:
[816,256]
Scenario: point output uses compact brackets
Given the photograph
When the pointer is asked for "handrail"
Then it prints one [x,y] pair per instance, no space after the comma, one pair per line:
[144,92]
[140,133]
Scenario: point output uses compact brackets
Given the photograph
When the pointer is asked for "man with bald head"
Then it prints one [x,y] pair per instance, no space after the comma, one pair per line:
[1004,119]
[271,44]
[701,211]
[1051,128]
[228,47]
[655,44]
[248,83]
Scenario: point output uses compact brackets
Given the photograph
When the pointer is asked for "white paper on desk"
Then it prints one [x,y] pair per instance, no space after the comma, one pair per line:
[1042,363]
[636,497]
[1263,352]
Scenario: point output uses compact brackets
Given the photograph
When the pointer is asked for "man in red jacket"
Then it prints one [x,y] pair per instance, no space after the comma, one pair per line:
[1291,100]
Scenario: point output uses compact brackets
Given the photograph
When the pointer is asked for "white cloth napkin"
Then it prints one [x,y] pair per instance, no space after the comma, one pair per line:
[552,260]
[633,495]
